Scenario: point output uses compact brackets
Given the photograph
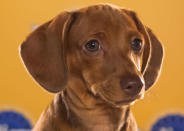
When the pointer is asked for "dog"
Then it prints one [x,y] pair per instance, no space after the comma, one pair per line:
[98,60]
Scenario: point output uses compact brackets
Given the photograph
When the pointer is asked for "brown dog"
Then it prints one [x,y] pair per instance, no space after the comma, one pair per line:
[98,60]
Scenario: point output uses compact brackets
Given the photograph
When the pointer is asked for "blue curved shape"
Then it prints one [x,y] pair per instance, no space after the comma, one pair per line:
[172,122]
[14,120]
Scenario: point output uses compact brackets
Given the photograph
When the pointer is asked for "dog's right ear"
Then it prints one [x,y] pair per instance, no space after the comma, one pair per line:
[43,52]
[152,55]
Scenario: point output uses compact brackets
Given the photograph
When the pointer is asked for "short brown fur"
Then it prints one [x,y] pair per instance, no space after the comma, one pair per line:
[94,89]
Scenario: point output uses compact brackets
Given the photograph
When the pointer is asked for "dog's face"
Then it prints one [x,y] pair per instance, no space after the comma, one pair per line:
[106,52]
[107,48]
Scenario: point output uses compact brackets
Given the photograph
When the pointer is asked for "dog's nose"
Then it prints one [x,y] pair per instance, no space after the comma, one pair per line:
[131,85]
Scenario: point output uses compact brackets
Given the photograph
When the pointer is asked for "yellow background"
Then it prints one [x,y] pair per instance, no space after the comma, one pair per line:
[18,91]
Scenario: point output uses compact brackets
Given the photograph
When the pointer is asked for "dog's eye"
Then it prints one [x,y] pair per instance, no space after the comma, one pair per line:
[136,44]
[92,45]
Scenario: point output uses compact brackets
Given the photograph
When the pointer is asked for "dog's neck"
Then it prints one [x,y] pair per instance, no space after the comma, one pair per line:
[86,112]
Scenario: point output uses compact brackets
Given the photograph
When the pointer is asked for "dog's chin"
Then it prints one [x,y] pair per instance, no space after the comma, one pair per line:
[122,103]
[117,104]
[125,103]
[130,101]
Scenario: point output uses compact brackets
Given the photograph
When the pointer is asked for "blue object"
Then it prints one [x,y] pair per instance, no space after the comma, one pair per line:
[14,120]
[172,122]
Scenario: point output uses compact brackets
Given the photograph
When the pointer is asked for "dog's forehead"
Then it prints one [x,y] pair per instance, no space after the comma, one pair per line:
[113,22]
[101,7]
[107,14]
[104,17]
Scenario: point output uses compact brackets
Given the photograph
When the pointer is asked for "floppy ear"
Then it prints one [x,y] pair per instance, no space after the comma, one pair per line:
[43,53]
[152,55]
[152,71]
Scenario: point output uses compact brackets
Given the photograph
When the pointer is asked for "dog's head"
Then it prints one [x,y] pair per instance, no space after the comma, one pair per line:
[107,48]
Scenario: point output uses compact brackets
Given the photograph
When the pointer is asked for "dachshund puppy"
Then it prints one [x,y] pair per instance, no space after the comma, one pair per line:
[99,60]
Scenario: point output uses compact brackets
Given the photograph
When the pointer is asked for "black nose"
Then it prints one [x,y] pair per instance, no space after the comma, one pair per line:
[131,85]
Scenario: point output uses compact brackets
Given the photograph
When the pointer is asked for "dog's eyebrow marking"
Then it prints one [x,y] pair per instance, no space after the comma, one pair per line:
[99,33]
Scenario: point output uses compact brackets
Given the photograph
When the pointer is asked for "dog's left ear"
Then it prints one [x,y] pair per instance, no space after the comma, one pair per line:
[152,55]
[43,52]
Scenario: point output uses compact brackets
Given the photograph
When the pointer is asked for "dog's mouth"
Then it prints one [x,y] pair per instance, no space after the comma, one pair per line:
[114,95]
[120,103]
